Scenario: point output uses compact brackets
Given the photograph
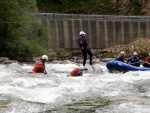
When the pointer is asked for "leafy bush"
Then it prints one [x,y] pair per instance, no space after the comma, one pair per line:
[20,32]
[76,6]
[137,7]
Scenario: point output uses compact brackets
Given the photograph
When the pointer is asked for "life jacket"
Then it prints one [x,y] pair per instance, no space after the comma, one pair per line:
[39,67]
[82,41]
[147,60]
[120,58]
[75,71]
[135,59]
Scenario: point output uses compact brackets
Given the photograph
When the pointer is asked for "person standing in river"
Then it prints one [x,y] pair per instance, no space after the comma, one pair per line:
[40,65]
[84,46]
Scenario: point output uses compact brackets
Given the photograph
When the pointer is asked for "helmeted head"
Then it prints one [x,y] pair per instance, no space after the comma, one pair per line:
[135,53]
[122,53]
[82,68]
[82,33]
[44,57]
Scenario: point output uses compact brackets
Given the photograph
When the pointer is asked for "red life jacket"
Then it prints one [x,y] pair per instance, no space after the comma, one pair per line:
[75,71]
[147,60]
[38,67]
[122,58]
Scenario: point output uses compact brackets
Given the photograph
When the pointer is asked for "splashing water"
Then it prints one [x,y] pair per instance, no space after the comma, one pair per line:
[23,92]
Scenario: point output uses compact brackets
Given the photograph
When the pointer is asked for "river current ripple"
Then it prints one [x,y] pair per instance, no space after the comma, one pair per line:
[94,92]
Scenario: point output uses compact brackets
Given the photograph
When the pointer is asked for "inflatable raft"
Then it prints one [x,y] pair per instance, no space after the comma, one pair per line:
[117,66]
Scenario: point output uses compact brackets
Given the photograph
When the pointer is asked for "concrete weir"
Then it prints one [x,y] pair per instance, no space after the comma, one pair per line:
[102,30]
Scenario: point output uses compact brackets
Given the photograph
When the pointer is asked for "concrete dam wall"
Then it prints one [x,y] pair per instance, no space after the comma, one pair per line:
[101,30]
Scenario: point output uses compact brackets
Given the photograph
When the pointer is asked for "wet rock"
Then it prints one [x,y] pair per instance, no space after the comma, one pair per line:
[14,67]
[75,58]
[87,61]
[80,61]
[2,59]
[96,60]
[4,101]
[88,105]
[56,61]
[94,69]
[35,59]
[67,62]
[10,61]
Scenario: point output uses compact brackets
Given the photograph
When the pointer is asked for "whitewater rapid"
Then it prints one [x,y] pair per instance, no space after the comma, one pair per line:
[94,92]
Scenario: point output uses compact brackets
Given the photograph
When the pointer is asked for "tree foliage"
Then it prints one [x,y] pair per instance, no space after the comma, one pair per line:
[20,31]
[136,7]
[77,6]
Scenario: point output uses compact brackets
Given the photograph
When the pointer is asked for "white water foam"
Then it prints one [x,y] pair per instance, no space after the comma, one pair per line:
[58,89]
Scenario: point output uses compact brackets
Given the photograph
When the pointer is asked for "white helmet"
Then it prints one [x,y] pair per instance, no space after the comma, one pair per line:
[135,53]
[45,57]
[82,67]
[122,52]
[82,33]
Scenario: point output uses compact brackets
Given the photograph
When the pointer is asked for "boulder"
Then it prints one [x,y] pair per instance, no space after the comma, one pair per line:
[14,67]
[10,61]
[67,62]
[2,59]
[94,69]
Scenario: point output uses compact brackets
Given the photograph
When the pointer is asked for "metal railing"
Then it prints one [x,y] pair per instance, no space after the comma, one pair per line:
[86,16]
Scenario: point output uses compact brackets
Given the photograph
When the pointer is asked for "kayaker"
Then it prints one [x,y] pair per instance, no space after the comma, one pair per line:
[40,65]
[121,57]
[147,62]
[77,71]
[134,60]
[84,46]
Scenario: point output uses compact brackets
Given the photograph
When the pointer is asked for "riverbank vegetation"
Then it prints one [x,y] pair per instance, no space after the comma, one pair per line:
[141,46]
[23,36]
[102,7]
[75,6]
[20,32]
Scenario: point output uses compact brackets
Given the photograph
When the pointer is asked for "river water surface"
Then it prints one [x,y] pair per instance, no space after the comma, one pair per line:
[94,92]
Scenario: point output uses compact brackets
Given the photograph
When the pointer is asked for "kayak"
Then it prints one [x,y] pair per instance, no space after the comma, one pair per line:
[117,66]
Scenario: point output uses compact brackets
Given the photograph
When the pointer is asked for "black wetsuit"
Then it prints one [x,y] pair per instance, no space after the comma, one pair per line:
[85,49]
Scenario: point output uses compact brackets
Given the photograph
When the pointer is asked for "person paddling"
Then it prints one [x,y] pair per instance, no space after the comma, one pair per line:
[134,60]
[84,46]
[40,65]
[147,62]
[121,57]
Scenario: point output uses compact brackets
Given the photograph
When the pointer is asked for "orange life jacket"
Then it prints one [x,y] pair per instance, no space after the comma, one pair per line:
[39,67]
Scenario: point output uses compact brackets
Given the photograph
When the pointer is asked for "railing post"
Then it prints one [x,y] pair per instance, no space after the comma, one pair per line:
[125,27]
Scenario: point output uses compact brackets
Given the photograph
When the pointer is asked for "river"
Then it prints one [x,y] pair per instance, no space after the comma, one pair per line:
[94,92]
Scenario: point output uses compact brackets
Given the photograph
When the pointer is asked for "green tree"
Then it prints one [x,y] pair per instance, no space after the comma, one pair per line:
[136,7]
[20,31]
[76,6]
